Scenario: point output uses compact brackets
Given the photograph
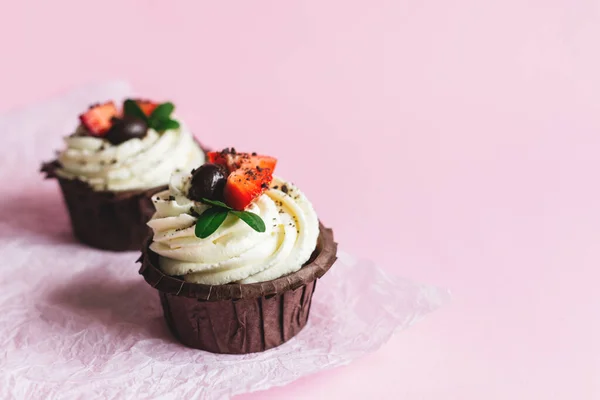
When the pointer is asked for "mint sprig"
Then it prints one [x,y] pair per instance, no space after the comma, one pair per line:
[160,119]
[131,108]
[215,203]
[211,219]
[254,221]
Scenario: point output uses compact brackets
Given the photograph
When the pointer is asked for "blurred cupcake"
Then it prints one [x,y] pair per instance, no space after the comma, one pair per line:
[235,254]
[112,165]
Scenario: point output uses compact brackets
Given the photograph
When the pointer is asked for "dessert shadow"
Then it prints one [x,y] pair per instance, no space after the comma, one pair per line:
[38,215]
[126,309]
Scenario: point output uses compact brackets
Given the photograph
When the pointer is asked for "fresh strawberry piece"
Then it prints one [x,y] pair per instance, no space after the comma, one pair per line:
[250,175]
[246,184]
[234,160]
[97,119]
[263,162]
[228,157]
[146,106]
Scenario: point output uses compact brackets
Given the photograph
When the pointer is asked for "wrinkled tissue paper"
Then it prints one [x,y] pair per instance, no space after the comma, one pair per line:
[81,323]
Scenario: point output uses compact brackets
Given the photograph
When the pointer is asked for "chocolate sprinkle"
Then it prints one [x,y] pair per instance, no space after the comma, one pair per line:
[284,189]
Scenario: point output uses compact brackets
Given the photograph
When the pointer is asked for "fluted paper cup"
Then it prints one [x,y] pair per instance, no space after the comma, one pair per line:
[103,219]
[107,220]
[239,318]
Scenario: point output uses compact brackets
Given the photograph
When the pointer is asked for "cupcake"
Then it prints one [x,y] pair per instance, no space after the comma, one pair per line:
[112,165]
[235,254]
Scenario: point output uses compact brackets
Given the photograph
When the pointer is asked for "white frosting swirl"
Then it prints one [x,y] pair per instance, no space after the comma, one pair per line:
[132,165]
[234,252]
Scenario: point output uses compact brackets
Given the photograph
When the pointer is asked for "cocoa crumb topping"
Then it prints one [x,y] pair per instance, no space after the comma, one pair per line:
[284,189]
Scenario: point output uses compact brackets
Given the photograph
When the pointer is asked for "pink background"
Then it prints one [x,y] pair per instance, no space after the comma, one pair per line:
[454,142]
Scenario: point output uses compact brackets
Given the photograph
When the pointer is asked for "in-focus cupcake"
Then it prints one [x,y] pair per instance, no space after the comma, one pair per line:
[235,254]
[112,165]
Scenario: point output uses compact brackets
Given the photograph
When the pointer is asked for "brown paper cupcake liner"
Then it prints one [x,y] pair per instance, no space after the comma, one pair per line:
[103,219]
[239,318]
[107,220]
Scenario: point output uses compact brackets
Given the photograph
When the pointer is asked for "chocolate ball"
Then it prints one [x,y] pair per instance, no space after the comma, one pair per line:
[126,128]
[208,182]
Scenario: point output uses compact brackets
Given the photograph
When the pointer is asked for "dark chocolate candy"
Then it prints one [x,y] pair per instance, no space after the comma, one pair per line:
[208,182]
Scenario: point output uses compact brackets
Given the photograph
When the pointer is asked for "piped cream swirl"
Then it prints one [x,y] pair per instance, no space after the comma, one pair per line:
[135,164]
[234,252]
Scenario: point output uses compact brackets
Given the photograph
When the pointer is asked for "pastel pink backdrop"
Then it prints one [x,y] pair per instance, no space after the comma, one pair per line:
[453,142]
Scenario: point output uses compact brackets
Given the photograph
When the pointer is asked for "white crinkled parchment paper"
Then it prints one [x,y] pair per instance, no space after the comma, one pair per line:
[81,323]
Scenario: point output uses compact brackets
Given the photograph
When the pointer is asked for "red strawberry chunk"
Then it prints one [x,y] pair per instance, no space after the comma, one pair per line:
[146,106]
[246,184]
[250,175]
[234,160]
[98,118]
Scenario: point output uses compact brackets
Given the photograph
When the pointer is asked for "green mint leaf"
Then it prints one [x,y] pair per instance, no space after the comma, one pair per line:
[132,109]
[254,221]
[161,113]
[171,124]
[209,221]
[165,125]
[215,203]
